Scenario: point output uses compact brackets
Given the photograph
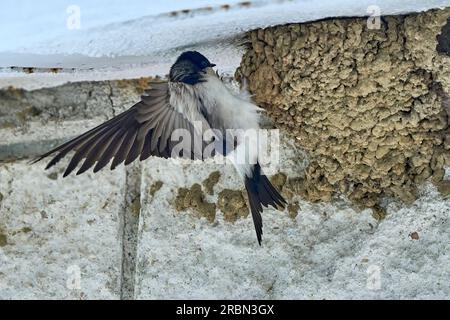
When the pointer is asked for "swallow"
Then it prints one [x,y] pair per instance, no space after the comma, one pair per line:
[192,102]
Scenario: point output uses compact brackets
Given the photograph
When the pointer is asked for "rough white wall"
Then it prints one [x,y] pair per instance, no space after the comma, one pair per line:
[329,251]
[55,229]
[53,226]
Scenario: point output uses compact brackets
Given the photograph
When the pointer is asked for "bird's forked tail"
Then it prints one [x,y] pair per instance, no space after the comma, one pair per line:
[261,193]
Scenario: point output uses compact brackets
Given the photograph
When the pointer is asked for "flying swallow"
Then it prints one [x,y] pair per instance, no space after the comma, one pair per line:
[193,101]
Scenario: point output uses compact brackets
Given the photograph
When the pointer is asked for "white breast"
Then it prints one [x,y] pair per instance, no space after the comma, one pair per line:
[231,111]
[228,110]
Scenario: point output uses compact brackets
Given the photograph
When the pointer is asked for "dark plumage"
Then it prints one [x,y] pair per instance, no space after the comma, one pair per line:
[261,193]
[143,130]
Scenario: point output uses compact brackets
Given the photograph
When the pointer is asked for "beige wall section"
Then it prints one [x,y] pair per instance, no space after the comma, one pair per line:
[163,229]
[368,105]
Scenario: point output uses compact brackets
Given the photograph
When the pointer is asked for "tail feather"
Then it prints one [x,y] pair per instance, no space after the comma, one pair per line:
[261,193]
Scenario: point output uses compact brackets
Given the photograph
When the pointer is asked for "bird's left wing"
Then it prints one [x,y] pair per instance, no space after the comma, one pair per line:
[143,130]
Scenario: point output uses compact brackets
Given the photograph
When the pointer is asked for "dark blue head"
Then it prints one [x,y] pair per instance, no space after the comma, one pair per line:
[189,67]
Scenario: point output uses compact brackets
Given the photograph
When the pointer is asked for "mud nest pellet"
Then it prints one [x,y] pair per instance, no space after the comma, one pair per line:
[370,106]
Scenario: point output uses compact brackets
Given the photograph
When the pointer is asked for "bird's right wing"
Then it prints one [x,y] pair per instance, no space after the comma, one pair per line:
[143,130]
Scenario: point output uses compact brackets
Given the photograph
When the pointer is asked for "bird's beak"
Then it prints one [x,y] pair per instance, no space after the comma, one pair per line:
[212,65]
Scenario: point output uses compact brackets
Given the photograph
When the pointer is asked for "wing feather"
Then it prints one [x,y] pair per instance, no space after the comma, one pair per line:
[111,150]
[143,130]
[124,148]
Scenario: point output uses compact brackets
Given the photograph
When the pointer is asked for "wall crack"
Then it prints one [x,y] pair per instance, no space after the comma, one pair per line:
[130,227]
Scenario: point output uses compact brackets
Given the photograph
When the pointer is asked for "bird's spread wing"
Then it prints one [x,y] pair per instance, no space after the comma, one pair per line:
[143,130]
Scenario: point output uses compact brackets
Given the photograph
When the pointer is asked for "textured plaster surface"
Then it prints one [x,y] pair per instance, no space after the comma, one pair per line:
[61,237]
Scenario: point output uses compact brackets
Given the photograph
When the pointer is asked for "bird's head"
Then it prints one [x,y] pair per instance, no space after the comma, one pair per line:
[190,67]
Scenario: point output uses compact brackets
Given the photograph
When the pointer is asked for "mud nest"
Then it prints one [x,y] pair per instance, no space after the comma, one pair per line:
[370,106]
